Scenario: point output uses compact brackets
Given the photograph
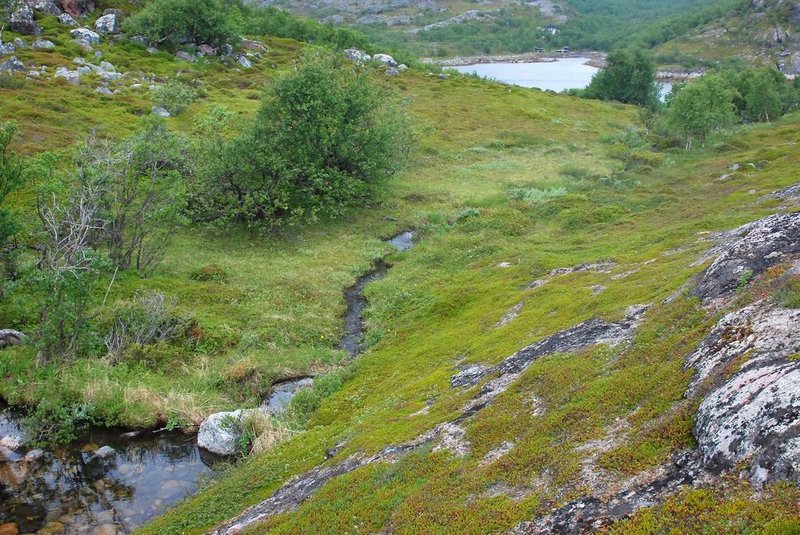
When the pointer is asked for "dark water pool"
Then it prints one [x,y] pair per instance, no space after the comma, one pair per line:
[73,490]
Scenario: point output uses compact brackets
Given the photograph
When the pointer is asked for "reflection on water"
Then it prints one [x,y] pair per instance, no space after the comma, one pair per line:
[558,75]
[72,490]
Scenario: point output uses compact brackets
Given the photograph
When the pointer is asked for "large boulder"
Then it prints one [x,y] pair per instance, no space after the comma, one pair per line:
[43,44]
[22,21]
[386,59]
[357,56]
[77,8]
[753,248]
[86,35]
[220,433]
[108,24]
[48,7]
[73,77]
[753,415]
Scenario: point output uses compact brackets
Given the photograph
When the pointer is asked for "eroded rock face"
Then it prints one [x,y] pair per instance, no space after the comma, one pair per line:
[759,246]
[85,34]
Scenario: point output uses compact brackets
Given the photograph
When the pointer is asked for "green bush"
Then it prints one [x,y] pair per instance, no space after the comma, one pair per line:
[629,76]
[326,138]
[214,22]
[174,96]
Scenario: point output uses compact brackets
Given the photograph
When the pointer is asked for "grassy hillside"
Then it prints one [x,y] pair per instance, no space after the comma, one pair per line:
[761,33]
[513,27]
[533,215]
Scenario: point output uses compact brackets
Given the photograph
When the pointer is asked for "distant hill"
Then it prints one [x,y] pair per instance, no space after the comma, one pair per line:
[763,32]
[462,27]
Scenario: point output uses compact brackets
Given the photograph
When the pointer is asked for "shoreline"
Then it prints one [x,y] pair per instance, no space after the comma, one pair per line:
[595,59]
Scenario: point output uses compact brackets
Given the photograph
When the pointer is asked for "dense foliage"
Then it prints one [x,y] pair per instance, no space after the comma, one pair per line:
[629,76]
[326,137]
[174,22]
[10,180]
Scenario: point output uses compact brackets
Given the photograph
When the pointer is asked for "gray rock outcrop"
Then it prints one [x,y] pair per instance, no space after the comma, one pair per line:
[754,248]
[753,415]
[48,7]
[67,20]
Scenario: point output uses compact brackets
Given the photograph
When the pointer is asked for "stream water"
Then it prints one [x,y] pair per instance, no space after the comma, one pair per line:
[109,482]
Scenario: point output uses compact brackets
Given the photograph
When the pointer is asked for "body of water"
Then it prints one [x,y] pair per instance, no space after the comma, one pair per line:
[558,75]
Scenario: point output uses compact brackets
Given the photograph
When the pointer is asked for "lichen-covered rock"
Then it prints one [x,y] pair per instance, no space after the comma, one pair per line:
[357,56]
[386,59]
[73,77]
[108,24]
[760,330]
[86,35]
[185,56]
[220,432]
[161,111]
[243,61]
[754,416]
[48,7]
[254,46]
[22,21]
[43,44]
[757,247]
[67,20]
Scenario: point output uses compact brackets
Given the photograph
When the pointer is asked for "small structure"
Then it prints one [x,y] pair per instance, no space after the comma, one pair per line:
[552,30]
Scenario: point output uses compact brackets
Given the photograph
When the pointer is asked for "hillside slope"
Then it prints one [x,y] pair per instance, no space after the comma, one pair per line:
[763,32]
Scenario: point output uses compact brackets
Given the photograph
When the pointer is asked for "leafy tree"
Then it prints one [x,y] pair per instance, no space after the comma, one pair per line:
[175,22]
[629,76]
[326,137]
[700,108]
[10,179]
[141,192]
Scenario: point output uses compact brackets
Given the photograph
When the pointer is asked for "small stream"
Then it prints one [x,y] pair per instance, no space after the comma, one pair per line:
[109,482]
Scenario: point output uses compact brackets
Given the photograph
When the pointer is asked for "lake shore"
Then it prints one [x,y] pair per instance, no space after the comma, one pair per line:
[595,59]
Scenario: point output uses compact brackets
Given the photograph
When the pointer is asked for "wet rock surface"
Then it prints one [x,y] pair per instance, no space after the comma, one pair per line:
[754,248]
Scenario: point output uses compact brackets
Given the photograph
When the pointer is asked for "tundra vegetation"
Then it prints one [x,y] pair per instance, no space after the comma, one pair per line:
[171,268]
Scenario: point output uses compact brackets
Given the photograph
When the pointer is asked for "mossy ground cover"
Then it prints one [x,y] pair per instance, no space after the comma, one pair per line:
[479,250]
[277,310]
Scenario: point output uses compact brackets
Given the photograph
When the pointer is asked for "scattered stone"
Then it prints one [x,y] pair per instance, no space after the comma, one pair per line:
[504,265]
[752,249]
[6,48]
[22,21]
[140,39]
[103,91]
[67,20]
[598,289]
[73,77]
[161,112]
[107,67]
[385,59]
[357,56]
[48,7]
[152,50]
[226,51]
[43,44]
[13,441]
[207,50]
[402,67]
[243,61]
[598,267]
[253,46]
[108,24]
[34,455]
[185,56]
[220,432]
[10,337]
[392,71]
[104,452]
[86,35]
